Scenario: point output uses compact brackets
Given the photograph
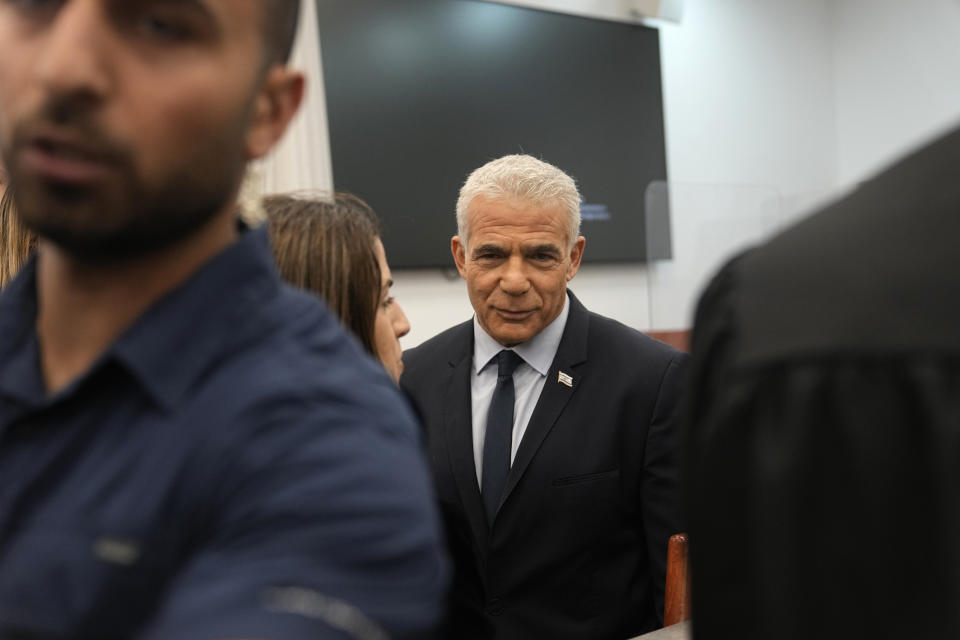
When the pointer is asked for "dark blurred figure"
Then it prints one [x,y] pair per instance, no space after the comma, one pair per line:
[16,242]
[189,448]
[824,438]
[333,248]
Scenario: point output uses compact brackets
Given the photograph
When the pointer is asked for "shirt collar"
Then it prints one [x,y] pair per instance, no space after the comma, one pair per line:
[538,352]
[190,330]
[173,343]
[20,375]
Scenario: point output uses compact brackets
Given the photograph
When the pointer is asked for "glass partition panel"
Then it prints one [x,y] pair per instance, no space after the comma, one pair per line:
[692,229]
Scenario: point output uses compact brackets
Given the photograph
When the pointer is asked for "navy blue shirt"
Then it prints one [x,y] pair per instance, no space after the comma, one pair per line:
[233,466]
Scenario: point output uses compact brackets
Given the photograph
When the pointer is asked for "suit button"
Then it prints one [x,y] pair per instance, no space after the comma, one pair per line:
[494,607]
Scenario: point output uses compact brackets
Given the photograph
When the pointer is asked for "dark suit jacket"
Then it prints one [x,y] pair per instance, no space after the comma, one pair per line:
[578,547]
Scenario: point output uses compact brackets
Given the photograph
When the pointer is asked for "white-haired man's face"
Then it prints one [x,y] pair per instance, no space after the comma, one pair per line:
[517,265]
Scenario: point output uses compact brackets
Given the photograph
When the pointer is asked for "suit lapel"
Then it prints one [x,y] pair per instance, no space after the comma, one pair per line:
[458,430]
[556,394]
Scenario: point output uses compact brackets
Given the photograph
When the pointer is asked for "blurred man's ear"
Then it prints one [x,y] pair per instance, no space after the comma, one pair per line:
[275,106]
[459,251]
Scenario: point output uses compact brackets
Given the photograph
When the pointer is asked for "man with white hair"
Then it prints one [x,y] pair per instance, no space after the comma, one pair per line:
[550,428]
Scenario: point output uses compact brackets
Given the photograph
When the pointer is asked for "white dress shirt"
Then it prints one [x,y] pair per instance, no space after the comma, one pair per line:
[528,379]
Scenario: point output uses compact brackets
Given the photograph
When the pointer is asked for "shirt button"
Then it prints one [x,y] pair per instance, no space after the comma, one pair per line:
[494,607]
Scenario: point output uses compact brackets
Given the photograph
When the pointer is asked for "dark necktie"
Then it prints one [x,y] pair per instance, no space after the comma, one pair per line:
[496,444]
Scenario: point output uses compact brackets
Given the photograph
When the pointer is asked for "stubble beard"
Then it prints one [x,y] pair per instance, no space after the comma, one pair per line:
[126,217]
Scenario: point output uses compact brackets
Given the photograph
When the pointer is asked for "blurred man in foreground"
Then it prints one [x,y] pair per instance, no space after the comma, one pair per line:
[824,436]
[551,428]
[190,449]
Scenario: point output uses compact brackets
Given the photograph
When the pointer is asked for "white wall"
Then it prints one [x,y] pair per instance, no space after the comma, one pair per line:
[750,124]
[897,79]
[749,94]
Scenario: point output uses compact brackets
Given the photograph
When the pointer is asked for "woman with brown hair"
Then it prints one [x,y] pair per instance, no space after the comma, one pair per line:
[16,242]
[333,249]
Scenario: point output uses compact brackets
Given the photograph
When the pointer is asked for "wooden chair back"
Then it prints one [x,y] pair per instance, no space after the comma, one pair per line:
[676,606]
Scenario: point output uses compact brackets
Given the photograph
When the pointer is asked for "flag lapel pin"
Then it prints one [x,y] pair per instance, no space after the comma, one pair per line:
[565,378]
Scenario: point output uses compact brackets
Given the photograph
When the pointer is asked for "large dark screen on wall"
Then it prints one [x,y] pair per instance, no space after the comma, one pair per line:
[421,92]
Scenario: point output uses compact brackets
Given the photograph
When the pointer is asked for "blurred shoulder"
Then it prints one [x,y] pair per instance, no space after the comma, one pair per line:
[302,369]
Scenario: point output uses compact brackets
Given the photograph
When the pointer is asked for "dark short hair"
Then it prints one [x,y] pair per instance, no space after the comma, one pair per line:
[327,247]
[280,29]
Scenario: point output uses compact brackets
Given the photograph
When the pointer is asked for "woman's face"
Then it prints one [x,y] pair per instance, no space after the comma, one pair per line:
[392,323]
